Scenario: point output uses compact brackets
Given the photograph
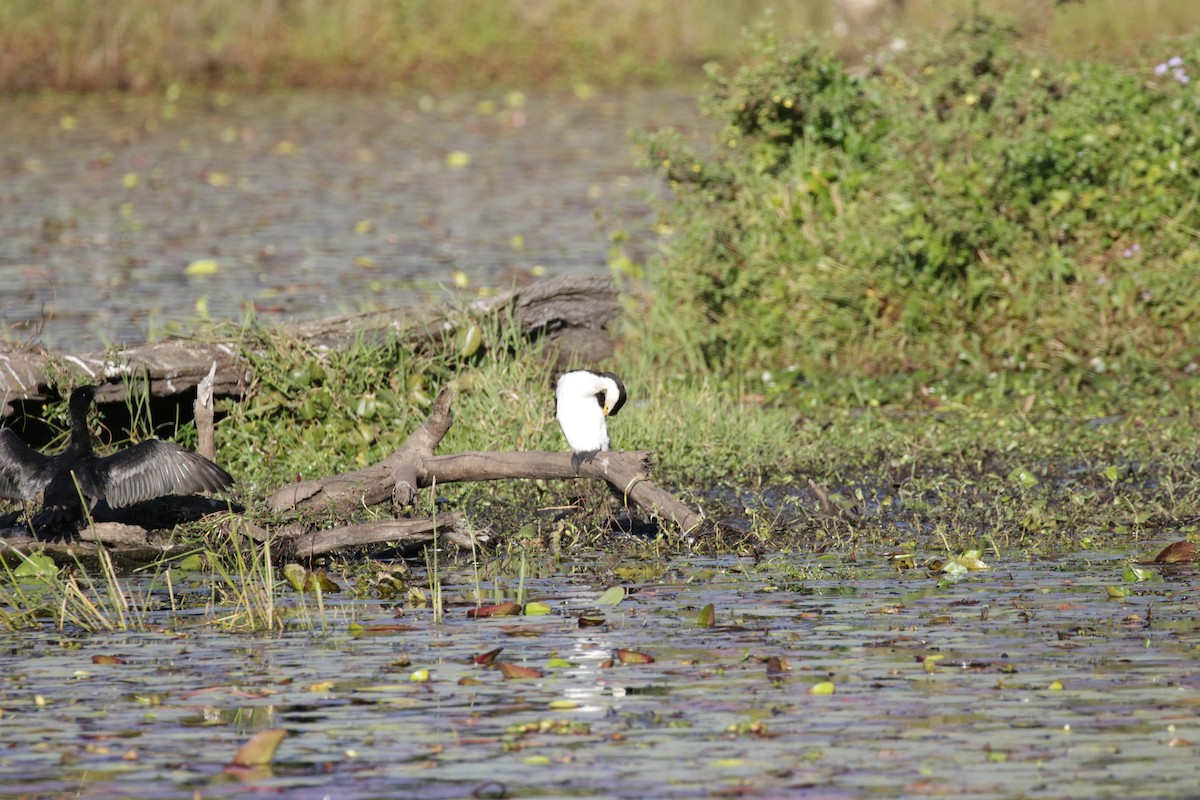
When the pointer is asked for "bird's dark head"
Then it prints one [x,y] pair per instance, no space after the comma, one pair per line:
[81,398]
[614,394]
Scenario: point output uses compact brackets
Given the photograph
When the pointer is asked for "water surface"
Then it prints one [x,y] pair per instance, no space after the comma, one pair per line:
[303,205]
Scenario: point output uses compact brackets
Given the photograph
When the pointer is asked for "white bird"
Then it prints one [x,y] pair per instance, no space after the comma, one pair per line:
[584,400]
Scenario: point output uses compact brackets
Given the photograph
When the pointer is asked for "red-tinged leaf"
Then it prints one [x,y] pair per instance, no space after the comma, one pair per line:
[498,610]
[488,658]
[102,659]
[707,617]
[1177,553]
[515,671]
[633,657]
[259,749]
[518,631]
[591,622]
[369,629]
[606,663]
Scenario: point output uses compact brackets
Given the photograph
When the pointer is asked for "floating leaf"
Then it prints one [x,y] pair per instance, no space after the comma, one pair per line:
[364,226]
[1183,552]
[1132,574]
[102,659]
[591,622]
[419,676]
[259,749]
[632,657]
[488,658]
[37,565]
[777,666]
[707,617]
[458,159]
[536,609]
[564,705]
[969,561]
[498,610]
[515,671]
[559,663]
[1116,591]
[611,596]
[202,266]
[1055,686]
[930,662]
[822,688]
[295,575]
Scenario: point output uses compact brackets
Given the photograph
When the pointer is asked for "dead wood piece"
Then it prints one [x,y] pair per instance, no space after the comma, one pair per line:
[404,464]
[413,466]
[572,313]
[403,531]
[827,506]
[169,367]
[360,488]
[203,411]
[115,534]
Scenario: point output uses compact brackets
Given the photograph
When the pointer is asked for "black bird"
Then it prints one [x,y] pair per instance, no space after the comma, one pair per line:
[146,470]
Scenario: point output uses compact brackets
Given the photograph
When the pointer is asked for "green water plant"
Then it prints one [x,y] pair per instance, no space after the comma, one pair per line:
[965,208]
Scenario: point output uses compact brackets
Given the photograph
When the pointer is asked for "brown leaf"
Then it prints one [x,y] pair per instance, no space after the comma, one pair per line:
[707,617]
[591,622]
[632,657]
[488,658]
[102,659]
[259,749]
[512,671]
[1183,552]
[498,610]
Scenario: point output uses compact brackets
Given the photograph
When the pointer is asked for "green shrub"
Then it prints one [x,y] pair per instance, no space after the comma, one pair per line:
[965,207]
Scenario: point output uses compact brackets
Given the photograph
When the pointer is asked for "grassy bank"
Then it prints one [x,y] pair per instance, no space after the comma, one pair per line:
[1045,470]
[146,45]
[967,213]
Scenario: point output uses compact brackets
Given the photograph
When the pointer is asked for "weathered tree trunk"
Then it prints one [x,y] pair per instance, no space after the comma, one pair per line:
[413,466]
[572,313]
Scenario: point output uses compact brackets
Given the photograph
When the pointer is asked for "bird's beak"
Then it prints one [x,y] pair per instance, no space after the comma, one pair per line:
[605,410]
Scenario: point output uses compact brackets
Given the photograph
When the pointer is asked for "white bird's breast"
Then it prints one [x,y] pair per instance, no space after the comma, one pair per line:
[580,413]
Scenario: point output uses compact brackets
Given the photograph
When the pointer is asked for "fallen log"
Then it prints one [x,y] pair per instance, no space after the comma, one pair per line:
[572,314]
[414,466]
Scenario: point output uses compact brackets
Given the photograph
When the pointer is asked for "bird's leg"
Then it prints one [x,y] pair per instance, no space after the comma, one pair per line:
[577,459]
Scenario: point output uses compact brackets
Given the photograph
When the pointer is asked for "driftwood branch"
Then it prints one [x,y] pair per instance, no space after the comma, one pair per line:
[414,466]
[571,314]
[204,412]
[295,541]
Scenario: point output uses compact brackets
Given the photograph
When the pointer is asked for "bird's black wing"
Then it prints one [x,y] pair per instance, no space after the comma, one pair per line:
[155,468]
[24,472]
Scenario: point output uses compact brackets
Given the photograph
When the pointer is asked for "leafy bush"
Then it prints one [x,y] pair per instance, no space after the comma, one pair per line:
[966,206]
